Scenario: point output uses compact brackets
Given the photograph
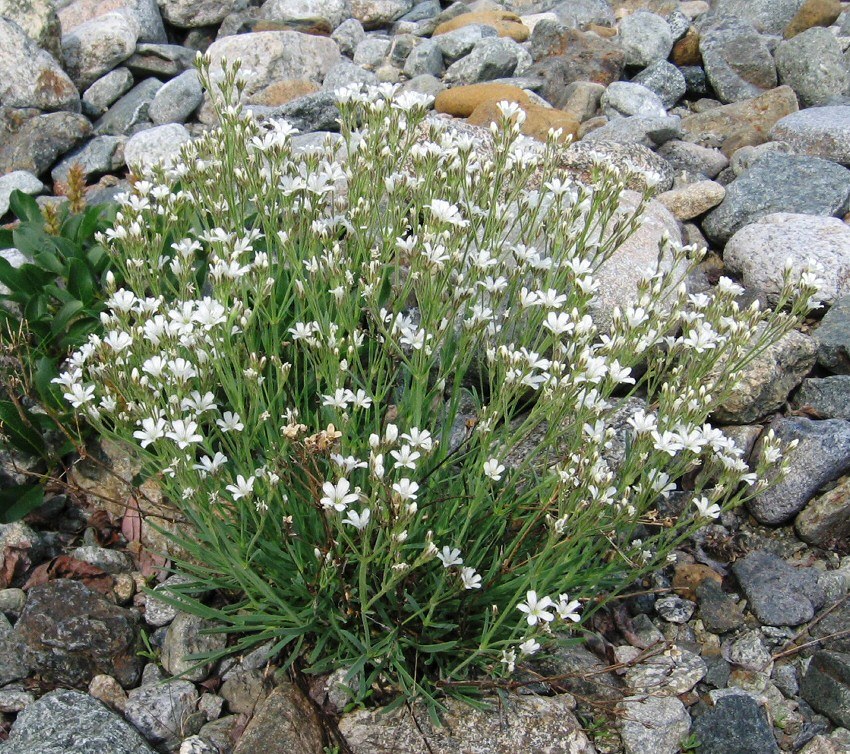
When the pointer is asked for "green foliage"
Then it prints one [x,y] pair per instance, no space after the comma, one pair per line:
[370,377]
[48,306]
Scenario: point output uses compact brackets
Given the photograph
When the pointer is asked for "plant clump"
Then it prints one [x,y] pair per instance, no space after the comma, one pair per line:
[367,375]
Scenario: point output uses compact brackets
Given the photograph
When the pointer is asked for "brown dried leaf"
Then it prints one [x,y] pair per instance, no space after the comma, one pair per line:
[15,562]
[106,532]
[66,567]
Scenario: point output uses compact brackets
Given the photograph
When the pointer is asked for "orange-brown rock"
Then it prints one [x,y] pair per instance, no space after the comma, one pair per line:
[689,576]
[462,100]
[538,120]
[603,31]
[686,50]
[505,23]
[282,91]
[813,13]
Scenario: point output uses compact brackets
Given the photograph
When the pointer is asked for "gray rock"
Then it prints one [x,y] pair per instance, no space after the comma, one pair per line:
[692,159]
[275,55]
[422,11]
[758,252]
[717,610]
[375,13]
[645,38]
[767,16]
[665,80]
[144,12]
[778,594]
[30,77]
[157,144]
[37,142]
[748,651]
[780,183]
[745,157]
[70,722]
[817,131]
[491,58]
[38,20]
[578,14]
[639,129]
[161,60]
[425,84]
[101,155]
[823,454]
[191,14]
[825,397]
[158,612]
[814,66]
[518,724]
[312,112]
[106,90]
[333,12]
[163,712]
[653,724]
[17,180]
[833,337]
[97,46]
[583,673]
[829,629]
[826,686]
[764,384]
[244,689]
[737,62]
[177,99]
[623,98]
[671,673]
[348,35]
[735,725]
[680,24]
[14,664]
[785,678]
[426,58]
[401,46]
[12,700]
[129,111]
[844,24]
[675,609]
[457,43]
[12,601]
[187,635]
[344,73]
[372,51]
[72,633]
[111,561]
[825,521]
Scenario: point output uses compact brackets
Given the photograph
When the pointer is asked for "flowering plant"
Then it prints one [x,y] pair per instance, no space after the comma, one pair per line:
[367,374]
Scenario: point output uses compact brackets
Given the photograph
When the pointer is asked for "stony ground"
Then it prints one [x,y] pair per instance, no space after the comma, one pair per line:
[735,112]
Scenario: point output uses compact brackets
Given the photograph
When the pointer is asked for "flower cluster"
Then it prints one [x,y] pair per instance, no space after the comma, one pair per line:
[369,373]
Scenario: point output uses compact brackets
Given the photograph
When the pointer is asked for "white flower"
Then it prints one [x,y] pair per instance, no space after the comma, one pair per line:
[118,341]
[347,463]
[209,465]
[509,659]
[230,421]
[536,609]
[493,469]
[567,609]
[121,301]
[184,433]
[667,442]
[558,323]
[406,489]
[77,395]
[449,557]
[339,399]
[529,647]
[405,457]
[243,487]
[198,403]
[706,509]
[152,429]
[447,213]
[419,438]
[642,422]
[469,578]
[358,520]
[337,495]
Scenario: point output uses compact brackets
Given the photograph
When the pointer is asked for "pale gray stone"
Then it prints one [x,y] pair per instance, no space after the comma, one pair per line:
[190,14]
[648,131]
[157,144]
[348,35]
[17,180]
[177,99]
[39,22]
[375,13]
[425,58]
[490,58]
[106,90]
[145,12]
[372,51]
[65,722]
[653,724]
[627,98]
[817,131]
[30,77]
[665,80]
[813,64]
[334,12]
[97,46]
[759,251]
[129,111]
[457,43]
[163,712]
[645,38]
[186,636]
[100,155]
